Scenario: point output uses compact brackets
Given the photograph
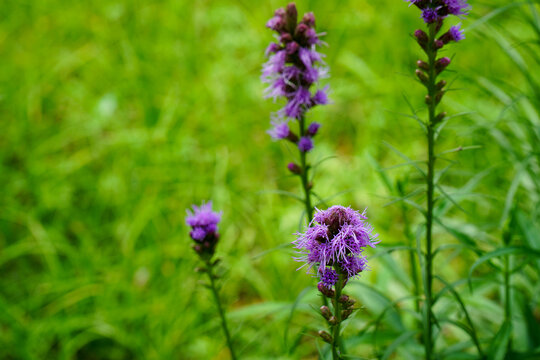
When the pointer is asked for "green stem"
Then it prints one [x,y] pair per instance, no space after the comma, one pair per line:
[210,273]
[432,104]
[337,313]
[305,175]
[507,298]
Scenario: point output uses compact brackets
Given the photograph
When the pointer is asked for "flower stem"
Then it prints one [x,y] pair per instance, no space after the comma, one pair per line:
[304,175]
[432,104]
[210,268]
[337,313]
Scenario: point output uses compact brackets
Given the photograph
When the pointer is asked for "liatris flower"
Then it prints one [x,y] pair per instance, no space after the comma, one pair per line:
[204,231]
[293,67]
[333,246]
[204,222]
[334,243]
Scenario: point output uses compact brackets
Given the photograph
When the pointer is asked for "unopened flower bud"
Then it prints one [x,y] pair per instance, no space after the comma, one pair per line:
[421,37]
[344,298]
[441,84]
[439,96]
[309,19]
[310,185]
[442,64]
[325,311]
[301,30]
[428,100]
[326,336]
[422,65]
[421,76]
[294,168]
[328,292]
[291,47]
[440,117]
[346,313]
[285,38]
[438,44]
[292,17]
[313,128]
[332,320]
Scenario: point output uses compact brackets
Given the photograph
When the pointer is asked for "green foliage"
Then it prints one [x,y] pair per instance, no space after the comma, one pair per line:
[118,115]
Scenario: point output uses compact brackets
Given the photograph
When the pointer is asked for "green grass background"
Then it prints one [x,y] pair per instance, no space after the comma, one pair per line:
[116,116]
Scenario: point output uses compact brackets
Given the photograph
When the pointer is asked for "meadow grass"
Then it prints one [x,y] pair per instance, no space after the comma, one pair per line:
[118,115]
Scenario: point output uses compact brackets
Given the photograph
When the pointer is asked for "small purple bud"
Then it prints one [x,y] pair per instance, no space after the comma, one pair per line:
[285,38]
[422,65]
[421,38]
[326,336]
[313,128]
[442,64]
[441,84]
[332,320]
[305,144]
[291,47]
[328,292]
[320,97]
[421,76]
[346,313]
[430,15]
[292,16]
[438,44]
[309,19]
[325,311]
[440,117]
[294,168]
[301,30]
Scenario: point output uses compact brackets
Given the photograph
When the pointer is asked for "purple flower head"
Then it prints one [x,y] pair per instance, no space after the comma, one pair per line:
[430,15]
[203,222]
[294,64]
[313,128]
[279,131]
[456,33]
[329,277]
[305,144]
[457,7]
[320,97]
[335,241]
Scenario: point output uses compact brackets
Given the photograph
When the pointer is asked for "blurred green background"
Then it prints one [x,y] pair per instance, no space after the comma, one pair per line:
[117,115]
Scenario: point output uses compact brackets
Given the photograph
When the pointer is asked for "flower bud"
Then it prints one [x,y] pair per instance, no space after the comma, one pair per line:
[441,64]
[421,76]
[346,313]
[328,292]
[440,117]
[343,298]
[428,100]
[313,128]
[325,311]
[439,96]
[422,65]
[291,47]
[294,168]
[292,17]
[309,19]
[441,84]
[438,44]
[326,336]
[332,320]
[285,38]
[421,37]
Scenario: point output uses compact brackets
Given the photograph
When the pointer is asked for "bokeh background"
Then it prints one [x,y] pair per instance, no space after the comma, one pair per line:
[118,115]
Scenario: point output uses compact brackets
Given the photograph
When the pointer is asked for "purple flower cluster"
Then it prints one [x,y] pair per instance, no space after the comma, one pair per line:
[334,244]
[436,10]
[204,222]
[292,68]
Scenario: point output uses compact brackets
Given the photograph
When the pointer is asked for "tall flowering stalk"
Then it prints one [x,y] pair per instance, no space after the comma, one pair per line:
[293,68]
[332,247]
[204,232]
[434,12]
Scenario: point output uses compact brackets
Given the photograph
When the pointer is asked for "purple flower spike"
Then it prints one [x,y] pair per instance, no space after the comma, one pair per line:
[294,64]
[204,222]
[305,144]
[335,242]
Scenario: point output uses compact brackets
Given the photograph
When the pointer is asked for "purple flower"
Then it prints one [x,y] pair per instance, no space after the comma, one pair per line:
[279,131]
[457,7]
[294,64]
[329,277]
[313,128]
[456,33]
[305,144]
[320,97]
[335,241]
[430,15]
[203,222]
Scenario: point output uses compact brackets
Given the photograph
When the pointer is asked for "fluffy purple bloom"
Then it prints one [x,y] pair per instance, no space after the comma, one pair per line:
[305,144]
[280,130]
[430,15]
[329,277]
[456,33]
[204,227]
[457,7]
[335,241]
[294,64]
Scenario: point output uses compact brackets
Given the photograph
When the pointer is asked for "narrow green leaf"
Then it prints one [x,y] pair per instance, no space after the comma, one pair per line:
[403,338]
[499,344]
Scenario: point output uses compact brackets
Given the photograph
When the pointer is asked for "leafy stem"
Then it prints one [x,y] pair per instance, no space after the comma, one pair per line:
[338,317]
[210,272]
